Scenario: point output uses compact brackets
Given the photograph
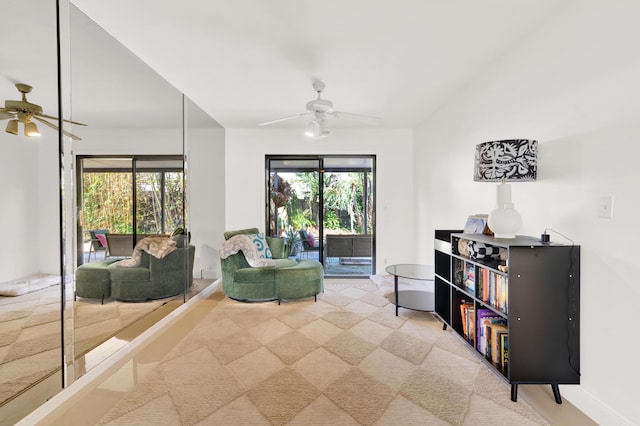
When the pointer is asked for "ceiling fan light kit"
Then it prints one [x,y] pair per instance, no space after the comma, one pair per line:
[315,129]
[322,109]
[30,129]
[12,127]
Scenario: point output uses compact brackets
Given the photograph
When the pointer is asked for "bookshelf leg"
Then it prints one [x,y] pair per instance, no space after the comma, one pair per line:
[556,393]
[444,325]
[514,392]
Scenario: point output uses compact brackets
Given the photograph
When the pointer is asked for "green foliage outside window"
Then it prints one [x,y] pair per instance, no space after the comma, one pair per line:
[108,201]
[344,202]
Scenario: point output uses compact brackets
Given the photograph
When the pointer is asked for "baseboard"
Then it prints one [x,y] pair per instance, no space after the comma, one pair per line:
[593,407]
[207,274]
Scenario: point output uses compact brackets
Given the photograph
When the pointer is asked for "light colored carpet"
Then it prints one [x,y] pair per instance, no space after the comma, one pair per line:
[30,332]
[344,360]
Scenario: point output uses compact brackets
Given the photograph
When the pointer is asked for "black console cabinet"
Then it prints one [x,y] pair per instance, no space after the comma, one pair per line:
[515,301]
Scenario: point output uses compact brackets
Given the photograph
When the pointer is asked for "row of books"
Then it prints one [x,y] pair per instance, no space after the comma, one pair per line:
[488,330]
[493,337]
[493,289]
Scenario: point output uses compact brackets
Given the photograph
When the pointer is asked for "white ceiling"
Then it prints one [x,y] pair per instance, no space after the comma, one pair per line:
[249,61]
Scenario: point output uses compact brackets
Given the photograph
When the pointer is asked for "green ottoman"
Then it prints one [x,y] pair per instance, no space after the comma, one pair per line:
[131,284]
[305,279]
[93,280]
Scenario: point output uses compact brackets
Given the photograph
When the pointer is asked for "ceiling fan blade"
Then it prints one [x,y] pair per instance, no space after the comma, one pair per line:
[56,118]
[357,117]
[266,123]
[5,114]
[54,127]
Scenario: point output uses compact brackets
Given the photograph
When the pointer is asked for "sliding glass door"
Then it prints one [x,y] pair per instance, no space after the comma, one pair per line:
[134,195]
[324,207]
[348,216]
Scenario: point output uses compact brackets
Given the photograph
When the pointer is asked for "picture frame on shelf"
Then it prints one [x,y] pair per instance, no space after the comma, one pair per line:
[478,224]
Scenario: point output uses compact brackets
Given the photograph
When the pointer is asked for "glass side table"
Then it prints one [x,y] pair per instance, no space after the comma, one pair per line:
[419,300]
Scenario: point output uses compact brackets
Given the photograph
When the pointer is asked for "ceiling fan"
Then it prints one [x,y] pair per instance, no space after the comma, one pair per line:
[24,112]
[321,110]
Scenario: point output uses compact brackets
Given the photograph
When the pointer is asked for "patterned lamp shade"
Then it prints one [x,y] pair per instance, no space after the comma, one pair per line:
[506,160]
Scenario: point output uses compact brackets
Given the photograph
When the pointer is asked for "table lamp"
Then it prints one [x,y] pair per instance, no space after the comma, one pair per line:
[508,160]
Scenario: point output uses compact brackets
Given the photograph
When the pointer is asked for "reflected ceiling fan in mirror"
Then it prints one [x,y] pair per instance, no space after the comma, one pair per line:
[322,110]
[25,112]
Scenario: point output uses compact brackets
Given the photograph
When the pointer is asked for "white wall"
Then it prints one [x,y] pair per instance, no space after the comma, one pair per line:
[206,174]
[125,141]
[45,245]
[573,85]
[245,179]
[19,215]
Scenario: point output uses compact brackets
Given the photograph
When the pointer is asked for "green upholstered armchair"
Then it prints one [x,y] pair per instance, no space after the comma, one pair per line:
[155,278]
[288,279]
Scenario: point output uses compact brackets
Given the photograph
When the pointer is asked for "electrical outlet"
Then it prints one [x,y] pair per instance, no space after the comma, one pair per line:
[605,207]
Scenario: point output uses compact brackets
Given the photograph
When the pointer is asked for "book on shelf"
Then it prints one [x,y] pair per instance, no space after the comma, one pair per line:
[470,277]
[458,272]
[497,330]
[504,344]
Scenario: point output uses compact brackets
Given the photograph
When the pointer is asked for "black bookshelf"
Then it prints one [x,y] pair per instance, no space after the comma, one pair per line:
[529,289]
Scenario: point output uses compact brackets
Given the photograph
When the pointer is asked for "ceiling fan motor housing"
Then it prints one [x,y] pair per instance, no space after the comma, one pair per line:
[23,106]
[320,105]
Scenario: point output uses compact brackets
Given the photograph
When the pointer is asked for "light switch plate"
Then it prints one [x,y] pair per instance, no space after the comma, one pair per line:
[605,207]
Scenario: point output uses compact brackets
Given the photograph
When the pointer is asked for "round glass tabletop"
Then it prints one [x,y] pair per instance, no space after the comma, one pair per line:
[412,271]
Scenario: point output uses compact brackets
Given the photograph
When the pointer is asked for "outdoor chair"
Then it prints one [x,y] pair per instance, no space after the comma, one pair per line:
[97,243]
[309,244]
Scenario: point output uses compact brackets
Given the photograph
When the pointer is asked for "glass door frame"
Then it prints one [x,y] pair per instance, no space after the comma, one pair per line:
[321,170]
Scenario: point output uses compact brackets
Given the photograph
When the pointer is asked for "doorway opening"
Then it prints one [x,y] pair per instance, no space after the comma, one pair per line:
[324,206]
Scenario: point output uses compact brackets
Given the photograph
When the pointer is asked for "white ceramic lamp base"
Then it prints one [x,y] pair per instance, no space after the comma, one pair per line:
[504,221]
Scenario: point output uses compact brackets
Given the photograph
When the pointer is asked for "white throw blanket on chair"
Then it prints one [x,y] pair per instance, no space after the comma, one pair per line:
[243,243]
[157,247]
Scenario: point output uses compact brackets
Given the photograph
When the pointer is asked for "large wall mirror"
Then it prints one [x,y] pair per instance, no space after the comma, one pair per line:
[30,256]
[137,124]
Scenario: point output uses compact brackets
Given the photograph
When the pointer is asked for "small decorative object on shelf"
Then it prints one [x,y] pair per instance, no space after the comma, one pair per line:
[477,224]
[516,302]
